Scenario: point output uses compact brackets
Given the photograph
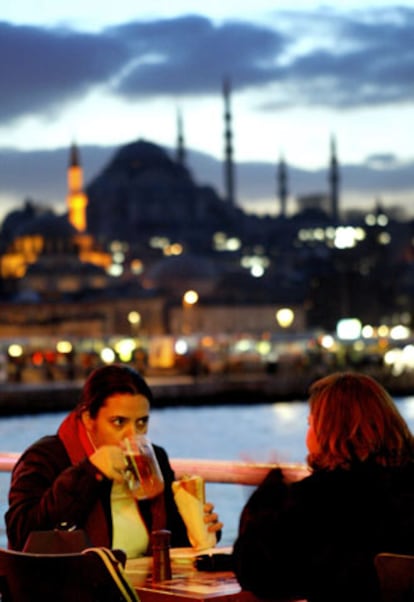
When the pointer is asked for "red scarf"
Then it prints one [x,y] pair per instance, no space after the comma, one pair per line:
[74,437]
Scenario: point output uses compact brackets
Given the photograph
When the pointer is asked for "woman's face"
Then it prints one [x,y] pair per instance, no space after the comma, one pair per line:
[121,416]
[311,440]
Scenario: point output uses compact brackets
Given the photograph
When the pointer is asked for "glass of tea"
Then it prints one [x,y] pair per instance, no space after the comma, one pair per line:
[142,472]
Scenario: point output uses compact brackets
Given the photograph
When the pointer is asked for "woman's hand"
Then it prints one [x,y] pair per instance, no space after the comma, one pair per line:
[211,518]
[110,460]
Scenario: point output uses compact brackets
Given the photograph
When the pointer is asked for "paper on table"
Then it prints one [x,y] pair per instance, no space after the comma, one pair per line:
[191,553]
[189,497]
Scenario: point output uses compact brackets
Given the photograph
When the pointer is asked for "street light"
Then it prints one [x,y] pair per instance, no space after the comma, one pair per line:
[134,318]
[284,317]
[190,298]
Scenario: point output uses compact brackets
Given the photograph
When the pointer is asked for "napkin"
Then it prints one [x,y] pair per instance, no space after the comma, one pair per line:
[189,497]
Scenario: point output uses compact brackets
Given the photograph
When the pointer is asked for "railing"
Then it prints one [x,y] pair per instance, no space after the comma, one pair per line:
[212,471]
[227,471]
[8,460]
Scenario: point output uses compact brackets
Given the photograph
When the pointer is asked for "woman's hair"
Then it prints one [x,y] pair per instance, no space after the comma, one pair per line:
[354,420]
[109,380]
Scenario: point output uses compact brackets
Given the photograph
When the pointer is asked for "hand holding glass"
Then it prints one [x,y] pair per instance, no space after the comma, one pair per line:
[142,473]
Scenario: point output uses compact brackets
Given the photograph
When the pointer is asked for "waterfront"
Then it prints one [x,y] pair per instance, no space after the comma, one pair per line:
[176,390]
[172,390]
[261,432]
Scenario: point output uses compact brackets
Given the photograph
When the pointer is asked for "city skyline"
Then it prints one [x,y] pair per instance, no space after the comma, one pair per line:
[298,77]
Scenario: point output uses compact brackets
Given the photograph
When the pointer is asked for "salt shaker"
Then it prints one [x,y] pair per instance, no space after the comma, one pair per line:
[161,562]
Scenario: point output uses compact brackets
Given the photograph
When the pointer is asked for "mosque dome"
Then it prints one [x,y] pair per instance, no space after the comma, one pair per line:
[141,153]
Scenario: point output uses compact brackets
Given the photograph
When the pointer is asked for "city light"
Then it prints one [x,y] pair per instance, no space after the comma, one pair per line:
[181,347]
[190,297]
[285,317]
[107,355]
[134,318]
[221,242]
[64,347]
[15,350]
[400,332]
[327,341]
[125,349]
[349,329]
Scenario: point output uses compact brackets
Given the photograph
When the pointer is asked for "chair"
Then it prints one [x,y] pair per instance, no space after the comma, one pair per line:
[57,541]
[396,577]
[80,577]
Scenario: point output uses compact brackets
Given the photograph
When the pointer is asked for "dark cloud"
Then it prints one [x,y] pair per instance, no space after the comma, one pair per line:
[191,55]
[358,60]
[325,58]
[40,69]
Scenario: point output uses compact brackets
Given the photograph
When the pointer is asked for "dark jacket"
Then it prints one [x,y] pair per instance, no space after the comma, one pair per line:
[316,538]
[47,490]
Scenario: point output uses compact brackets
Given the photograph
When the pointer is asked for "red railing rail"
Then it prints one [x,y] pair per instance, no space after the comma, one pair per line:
[212,471]
[228,471]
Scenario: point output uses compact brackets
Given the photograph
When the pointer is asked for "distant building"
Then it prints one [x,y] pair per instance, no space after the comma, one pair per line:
[143,193]
[315,202]
[47,253]
[76,198]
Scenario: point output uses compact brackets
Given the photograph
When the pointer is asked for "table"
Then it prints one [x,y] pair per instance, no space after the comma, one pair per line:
[204,587]
[187,583]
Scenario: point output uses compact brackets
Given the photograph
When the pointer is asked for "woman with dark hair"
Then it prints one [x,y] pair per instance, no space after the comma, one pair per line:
[76,477]
[317,538]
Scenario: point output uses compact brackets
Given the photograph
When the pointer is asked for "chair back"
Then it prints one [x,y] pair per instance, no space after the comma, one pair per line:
[80,577]
[57,541]
[396,577]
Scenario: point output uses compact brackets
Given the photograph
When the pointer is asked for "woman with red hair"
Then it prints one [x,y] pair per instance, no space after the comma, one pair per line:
[317,538]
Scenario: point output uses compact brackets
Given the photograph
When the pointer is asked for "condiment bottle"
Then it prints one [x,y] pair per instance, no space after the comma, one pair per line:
[161,562]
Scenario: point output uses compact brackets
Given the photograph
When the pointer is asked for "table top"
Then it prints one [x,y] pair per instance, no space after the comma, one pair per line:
[187,583]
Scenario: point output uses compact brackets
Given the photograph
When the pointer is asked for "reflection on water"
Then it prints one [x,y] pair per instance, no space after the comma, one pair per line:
[406,407]
[263,432]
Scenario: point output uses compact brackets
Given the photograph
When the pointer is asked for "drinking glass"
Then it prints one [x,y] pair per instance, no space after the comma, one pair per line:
[142,473]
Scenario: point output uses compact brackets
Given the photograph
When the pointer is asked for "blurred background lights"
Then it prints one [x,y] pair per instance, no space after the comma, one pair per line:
[399,332]
[190,297]
[367,331]
[134,318]
[115,270]
[15,350]
[125,349]
[383,330]
[349,329]
[345,238]
[107,355]
[327,341]
[257,271]
[284,317]
[181,347]
[64,347]
[400,360]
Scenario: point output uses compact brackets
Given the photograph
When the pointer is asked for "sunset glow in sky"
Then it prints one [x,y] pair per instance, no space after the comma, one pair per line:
[109,73]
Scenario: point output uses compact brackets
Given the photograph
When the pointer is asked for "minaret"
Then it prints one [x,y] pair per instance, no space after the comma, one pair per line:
[181,154]
[76,198]
[334,183]
[282,186]
[228,137]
